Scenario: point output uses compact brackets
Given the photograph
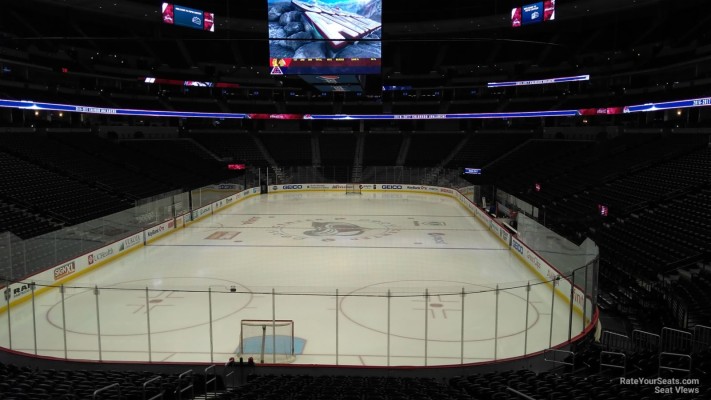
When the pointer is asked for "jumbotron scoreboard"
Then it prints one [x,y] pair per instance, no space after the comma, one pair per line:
[307,37]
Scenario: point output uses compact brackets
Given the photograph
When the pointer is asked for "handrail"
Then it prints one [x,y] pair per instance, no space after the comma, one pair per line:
[622,356]
[227,375]
[678,357]
[615,340]
[105,388]
[190,387]
[213,380]
[554,360]
[145,386]
[702,337]
[519,394]
[675,340]
[645,340]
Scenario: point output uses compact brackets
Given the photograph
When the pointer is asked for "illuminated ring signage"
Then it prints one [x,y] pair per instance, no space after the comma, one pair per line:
[38,106]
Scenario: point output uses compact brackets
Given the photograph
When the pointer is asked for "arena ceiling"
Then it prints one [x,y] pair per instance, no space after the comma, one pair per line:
[413,17]
[454,44]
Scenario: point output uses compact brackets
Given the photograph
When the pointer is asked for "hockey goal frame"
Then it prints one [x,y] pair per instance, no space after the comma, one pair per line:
[353,188]
[262,355]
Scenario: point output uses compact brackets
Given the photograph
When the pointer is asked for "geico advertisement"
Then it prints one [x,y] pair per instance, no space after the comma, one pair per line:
[289,187]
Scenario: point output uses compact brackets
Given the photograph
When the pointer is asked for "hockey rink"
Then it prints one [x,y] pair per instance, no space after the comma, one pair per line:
[372,279]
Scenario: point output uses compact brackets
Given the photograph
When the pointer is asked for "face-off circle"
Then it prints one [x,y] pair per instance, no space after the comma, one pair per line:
[333,229]
[368,307]
[123,305]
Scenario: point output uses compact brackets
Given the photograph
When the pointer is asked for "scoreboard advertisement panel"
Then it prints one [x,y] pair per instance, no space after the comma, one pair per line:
[175,14]
[602,111]
[533,13]
[313,37]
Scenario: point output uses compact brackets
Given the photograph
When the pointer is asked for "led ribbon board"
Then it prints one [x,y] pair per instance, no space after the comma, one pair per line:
[176,82]
[702,102]
[38,106]
[540,81]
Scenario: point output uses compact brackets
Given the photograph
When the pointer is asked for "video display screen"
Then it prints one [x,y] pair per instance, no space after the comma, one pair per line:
[563,79]
[188,17]
[645,107]
[313,37]
[602,111]
[603,210]
[533,13]
[176,82]
[472,171]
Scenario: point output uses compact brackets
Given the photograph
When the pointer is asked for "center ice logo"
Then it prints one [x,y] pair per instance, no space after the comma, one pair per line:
[328,229]
[334,229]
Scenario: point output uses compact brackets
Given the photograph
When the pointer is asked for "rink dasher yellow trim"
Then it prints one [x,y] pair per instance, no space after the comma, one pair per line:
[562,296]
[220,210]
[69,278]
[525,262]
[93,267]
[558,292]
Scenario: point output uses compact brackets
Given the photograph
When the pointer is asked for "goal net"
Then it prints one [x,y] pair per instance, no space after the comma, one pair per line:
[352,188]
[267,341]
